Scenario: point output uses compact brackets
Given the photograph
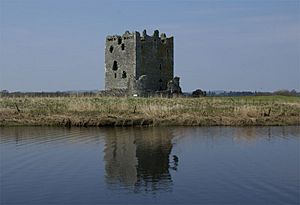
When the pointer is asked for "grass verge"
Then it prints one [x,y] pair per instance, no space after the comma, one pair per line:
[113,111]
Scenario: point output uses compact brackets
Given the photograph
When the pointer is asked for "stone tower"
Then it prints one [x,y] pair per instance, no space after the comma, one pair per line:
[139,63]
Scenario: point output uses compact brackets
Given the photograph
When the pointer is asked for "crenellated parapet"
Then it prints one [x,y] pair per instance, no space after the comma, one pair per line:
[131,35]
[155,37]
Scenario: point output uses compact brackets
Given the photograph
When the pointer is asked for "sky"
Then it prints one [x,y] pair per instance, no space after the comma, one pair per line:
[58,45]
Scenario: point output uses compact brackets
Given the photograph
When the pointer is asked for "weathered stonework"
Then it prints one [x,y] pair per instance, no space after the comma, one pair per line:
[140,64]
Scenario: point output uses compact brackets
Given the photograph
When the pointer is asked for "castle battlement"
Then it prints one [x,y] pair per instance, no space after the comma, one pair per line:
[128,35]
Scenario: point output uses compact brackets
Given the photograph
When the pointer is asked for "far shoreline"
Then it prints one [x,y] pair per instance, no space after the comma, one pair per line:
[145,112]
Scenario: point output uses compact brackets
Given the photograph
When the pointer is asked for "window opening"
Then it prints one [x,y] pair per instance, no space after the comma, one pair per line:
[111,48]
[115,75]
[124,74]
[123,46]
[115,66]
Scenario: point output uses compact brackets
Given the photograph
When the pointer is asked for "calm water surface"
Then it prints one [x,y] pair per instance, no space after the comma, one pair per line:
[257,165]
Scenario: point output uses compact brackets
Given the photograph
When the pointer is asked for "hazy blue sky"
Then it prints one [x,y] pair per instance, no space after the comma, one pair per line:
[50,45]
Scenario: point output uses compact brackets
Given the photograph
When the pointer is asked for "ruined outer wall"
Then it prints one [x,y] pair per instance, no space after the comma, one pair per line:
[156,55]
[120,60]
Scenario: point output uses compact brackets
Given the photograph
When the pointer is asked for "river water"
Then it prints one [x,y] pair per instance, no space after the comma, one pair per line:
[222,165]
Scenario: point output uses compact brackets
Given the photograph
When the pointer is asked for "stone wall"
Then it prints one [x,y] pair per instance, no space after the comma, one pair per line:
[156,54]
[120,60]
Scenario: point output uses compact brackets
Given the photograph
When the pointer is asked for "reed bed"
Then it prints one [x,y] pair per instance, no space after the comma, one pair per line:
[124,111]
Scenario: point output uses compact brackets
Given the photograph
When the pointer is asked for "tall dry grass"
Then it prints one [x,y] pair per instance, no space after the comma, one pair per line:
[98,111]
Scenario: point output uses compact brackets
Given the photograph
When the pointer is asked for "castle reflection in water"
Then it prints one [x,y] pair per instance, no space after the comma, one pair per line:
[139,159]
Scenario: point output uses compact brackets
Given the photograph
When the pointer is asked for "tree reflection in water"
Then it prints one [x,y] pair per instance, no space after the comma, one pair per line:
[139,158]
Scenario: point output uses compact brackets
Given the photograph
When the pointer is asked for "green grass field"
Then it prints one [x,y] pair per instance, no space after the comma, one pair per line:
[109,111]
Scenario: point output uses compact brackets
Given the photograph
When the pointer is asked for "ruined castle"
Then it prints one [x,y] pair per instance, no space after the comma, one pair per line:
[140,64]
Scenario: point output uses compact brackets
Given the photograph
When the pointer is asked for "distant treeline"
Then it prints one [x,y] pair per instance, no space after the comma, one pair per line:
[45,94]
[99,93]
[120,93]
[249,93]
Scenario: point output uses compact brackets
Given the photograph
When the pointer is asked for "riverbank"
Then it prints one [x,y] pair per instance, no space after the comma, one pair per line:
[109,111]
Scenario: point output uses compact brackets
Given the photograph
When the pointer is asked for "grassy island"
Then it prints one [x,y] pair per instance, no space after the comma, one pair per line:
[113,111]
